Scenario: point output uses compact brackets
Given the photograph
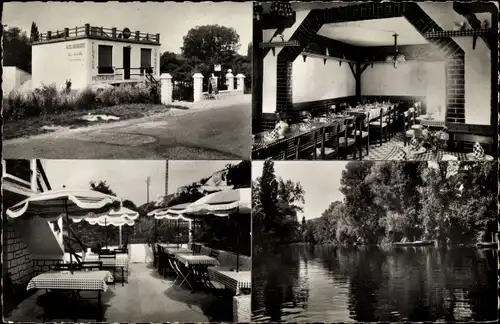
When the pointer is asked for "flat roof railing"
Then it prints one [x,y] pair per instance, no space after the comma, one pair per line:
[98,32]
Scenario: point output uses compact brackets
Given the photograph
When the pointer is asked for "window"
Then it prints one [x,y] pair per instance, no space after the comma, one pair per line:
[145,59]
[19,168]
[105,56]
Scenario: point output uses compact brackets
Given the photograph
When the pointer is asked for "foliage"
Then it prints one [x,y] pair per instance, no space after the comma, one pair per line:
[239,175]
[211,44]
[203,47]
[387,202]
[275,204]
[16,48]
[47,100]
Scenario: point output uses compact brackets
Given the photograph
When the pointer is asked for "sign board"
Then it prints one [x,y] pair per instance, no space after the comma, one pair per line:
[217,67]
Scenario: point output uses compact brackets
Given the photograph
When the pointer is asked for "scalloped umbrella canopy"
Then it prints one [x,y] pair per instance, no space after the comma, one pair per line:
[172,212]
[52,204]
[223,203]
[123,216]
[76,204]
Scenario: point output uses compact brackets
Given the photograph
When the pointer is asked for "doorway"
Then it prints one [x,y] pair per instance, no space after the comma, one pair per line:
[126,63]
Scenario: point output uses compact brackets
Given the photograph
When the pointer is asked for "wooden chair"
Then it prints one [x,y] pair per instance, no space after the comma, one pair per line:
[110,264]
[409,122]
[91,265]
[329,142]
[379,127]
[363,133]
[347,142]
[464,142]
[305,145]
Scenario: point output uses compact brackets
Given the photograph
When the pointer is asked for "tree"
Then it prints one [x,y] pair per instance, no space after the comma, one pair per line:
[16,48]
[102,187]
[211,44]
[35,35]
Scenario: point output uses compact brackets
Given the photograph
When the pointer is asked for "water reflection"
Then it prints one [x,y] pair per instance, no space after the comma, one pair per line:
[325,284]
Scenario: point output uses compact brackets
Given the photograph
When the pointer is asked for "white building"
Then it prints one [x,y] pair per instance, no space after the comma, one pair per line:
[88,54]
[13,78]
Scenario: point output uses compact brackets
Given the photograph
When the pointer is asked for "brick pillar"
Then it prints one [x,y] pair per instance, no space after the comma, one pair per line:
[455,89]
[230,80]
[242,312]
[166,88]
[284,91]
[197,86]
[241,82]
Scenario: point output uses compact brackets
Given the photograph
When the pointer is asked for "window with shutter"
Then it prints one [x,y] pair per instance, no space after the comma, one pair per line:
[145,59]
[105,56]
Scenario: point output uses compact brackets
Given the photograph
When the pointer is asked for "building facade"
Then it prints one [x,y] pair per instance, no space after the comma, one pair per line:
[88,55]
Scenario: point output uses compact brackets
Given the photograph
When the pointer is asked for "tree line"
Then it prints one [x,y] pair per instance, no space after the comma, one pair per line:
[385,202]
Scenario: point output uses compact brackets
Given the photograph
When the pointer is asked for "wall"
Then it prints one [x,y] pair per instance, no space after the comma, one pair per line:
[13,78]
[19,261]
[40,237]
[412,78]
[477,64]
[270,64]
[330,80]
[135,58]
[60,61]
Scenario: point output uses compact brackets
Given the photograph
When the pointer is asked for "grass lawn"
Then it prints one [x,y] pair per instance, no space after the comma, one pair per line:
[33,126]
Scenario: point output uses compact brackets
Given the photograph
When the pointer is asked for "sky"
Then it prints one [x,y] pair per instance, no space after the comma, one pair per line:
[182,173]
[320,180]
[77,174]
[172,20]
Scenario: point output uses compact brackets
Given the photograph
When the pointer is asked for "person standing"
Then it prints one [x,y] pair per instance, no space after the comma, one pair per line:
[214,87]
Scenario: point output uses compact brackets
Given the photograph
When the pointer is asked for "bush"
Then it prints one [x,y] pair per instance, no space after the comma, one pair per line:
[47,100]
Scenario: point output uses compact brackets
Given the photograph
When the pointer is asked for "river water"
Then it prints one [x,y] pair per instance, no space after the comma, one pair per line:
[302,283]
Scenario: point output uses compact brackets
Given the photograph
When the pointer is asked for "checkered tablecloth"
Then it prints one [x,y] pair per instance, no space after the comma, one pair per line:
[430,122]
[121,260]
[428,155]
[79,280]
[231,279]
[196,259]
[174,250]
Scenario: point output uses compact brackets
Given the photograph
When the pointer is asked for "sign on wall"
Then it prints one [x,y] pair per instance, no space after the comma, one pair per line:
[103,77]
[75,52]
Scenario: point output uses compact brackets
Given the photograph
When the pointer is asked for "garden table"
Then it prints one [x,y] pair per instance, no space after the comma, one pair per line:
[374,112]
[173,250]
[78,281]
[121,261]
[234,281]
[195,263]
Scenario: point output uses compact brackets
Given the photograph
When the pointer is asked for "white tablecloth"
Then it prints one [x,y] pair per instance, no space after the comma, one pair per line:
[121,260]
[196,259]
[231,279]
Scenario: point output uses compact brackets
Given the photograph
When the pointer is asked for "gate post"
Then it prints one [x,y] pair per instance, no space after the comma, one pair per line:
[241,82]
[166,88]
[197,86]
[230,80]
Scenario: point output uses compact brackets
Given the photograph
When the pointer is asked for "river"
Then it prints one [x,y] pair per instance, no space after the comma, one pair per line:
[302,283]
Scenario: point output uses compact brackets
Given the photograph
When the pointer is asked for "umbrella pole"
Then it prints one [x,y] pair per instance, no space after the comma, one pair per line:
[177,233]
[69,236]
[154,225]
[238,247]
[120,237]
[194,226]
[106,232]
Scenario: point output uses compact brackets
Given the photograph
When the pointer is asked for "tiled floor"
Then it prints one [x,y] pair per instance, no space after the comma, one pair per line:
[147,297]
[377,152]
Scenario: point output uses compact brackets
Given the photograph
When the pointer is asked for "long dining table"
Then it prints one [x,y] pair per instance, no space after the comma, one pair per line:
[264,142]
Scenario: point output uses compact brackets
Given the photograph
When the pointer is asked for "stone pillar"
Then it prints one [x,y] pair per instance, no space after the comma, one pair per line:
[197,86]
[166,88]
[241,82]
[242,312]
[230,80]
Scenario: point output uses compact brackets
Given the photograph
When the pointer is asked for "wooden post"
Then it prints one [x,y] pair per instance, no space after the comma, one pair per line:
[157,37]
[87,29]
[137,35]
[113,32]
[66,32]
[49,34]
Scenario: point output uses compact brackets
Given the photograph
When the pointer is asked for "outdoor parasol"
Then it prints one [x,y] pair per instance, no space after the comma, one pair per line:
[75,204]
